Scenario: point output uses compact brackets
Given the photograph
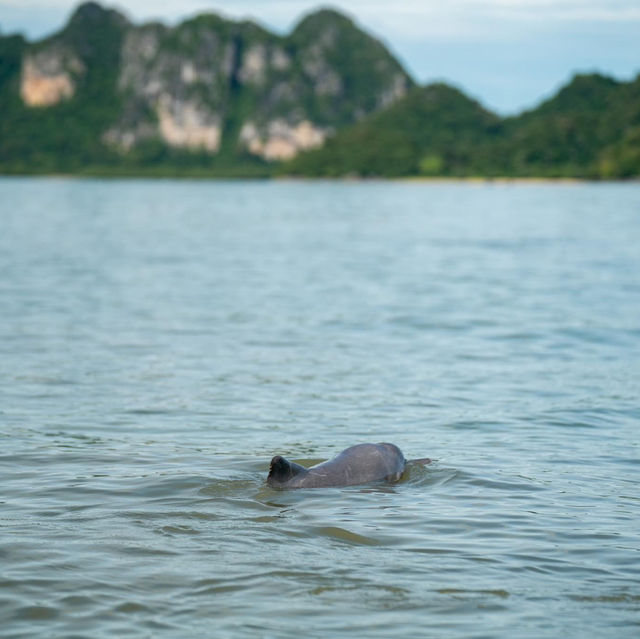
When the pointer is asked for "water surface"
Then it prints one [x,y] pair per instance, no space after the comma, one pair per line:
[160,341]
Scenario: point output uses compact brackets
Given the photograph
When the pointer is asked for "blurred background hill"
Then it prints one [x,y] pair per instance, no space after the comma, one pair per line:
[215,96]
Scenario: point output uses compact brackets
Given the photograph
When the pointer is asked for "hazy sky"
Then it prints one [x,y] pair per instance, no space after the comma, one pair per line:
[509,54]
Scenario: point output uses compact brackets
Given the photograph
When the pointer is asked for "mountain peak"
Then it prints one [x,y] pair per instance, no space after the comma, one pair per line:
[320,20]
[92,13]
[583,91]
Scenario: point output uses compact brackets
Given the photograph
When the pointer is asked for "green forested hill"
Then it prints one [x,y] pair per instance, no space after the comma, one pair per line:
[590,129]
[434,130]
[212,96]
[575,132]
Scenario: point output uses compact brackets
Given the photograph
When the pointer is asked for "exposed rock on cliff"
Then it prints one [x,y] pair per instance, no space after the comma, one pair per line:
[170,94]
[48,76]
[280,140]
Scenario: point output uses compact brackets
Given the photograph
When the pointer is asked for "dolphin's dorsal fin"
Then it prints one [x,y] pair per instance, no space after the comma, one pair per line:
[282,470]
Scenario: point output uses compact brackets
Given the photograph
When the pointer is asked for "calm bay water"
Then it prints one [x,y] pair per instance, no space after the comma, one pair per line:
[160,341]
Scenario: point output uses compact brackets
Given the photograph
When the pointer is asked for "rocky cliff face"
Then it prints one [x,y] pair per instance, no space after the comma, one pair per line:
[49,76]
[210,83]
[170,94]
[52,70]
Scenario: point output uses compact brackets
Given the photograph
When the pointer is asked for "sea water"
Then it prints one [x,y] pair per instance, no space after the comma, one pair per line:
[160,341]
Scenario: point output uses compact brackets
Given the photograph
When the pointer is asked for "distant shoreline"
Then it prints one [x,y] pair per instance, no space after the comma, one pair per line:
[197,176]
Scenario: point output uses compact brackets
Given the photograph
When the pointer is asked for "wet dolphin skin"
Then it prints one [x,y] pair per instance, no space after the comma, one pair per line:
[358,464]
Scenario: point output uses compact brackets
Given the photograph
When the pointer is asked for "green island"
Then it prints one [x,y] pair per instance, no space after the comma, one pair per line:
[212,97]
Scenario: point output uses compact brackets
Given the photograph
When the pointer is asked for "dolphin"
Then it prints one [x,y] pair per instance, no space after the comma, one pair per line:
[357,464]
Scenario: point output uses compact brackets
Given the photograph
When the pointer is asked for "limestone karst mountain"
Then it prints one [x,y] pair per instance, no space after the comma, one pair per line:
[216,97]
[207,85]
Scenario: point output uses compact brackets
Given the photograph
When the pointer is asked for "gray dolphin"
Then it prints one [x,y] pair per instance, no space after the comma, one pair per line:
[358,464]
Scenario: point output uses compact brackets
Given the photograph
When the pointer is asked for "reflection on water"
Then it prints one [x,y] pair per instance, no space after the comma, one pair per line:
[161,341]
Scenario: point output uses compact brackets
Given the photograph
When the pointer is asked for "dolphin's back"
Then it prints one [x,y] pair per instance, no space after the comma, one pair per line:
[358,464]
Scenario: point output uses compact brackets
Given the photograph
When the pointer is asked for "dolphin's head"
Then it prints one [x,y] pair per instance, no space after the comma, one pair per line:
[282,470]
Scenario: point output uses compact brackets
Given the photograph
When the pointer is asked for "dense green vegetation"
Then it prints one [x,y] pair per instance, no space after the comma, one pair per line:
[590,129]
[573,133]
[435,130]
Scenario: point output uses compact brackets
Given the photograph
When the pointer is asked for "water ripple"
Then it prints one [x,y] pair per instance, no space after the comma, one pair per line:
[161,341]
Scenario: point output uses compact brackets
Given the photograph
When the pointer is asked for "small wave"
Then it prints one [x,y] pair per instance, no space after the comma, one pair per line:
[347,536]
[503,594]
[36,613]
